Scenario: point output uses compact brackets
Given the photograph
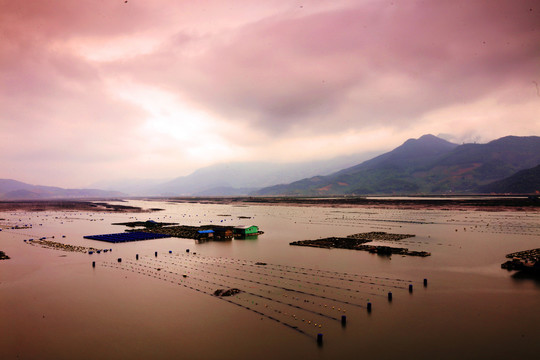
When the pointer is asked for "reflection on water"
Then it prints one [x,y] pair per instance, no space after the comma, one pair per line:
[247,237]
[54,305]
[521,276]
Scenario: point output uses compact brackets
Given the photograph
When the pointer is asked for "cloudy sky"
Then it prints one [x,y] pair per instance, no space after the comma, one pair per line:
[111,89]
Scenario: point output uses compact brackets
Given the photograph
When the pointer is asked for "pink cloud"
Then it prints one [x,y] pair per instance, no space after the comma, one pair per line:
[285,71]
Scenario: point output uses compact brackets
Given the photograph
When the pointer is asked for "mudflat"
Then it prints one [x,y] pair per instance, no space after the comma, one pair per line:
[65,205]
[476,203]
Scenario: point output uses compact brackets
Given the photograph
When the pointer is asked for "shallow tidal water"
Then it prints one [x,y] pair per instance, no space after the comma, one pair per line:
[55,305]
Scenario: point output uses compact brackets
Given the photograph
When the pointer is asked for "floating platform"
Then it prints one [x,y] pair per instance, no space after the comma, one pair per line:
[356,241]
[527,261]
[204,232]
[127,237]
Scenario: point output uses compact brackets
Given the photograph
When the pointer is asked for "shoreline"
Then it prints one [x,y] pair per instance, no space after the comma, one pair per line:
[69,205]
[472,203]
[478,204]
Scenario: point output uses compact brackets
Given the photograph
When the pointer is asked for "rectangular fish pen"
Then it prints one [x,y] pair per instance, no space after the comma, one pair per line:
[126,237]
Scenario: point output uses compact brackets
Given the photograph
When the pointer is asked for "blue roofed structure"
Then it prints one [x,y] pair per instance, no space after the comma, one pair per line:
[126,237]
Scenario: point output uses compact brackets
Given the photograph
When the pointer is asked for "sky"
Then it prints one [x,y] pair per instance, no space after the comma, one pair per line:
[105,89]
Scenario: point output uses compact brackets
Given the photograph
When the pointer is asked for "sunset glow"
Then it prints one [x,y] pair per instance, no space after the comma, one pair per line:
[157,89]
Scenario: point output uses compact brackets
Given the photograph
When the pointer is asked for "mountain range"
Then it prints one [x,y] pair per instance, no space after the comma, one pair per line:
[229,179]
[427,165]
[16,190]
[233,179]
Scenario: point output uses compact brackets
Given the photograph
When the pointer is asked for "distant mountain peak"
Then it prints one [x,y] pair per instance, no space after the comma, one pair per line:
[429,140]
[429,136]
[425,145]
[512,139]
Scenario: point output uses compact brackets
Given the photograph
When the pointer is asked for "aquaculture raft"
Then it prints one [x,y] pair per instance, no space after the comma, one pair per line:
[126,237]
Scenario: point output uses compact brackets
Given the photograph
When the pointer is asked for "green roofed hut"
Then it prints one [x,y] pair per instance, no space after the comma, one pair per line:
[246,230]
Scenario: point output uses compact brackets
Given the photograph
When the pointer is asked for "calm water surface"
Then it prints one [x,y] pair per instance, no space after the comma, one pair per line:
[54,305]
